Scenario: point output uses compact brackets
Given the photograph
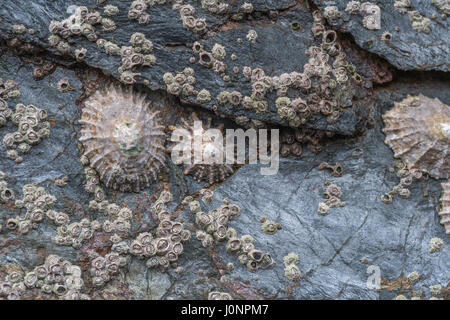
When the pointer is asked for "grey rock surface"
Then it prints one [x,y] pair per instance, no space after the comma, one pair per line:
[335,250]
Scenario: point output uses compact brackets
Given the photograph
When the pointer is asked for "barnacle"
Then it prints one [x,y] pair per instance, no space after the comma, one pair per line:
[203,96]
[444,213]
[123,138]
[436,244]
[218,51]
[418,131]
[111,10]
[372,15]
[209,167]
[246,7]
[269,226]
[19,28]
[216,295]
[291,270]
[252,36]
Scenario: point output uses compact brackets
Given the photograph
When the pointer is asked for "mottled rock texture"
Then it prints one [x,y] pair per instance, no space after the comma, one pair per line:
[335,251]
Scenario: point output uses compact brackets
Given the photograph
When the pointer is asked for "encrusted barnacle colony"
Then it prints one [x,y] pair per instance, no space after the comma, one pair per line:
[215,228]
[333,194]
[122,138]
[162,249]
[33,127]
[56,277]
[212,168]
[418,131]
[445,203]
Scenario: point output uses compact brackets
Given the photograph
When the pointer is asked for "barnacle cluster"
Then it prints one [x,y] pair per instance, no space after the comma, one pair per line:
[118,222]
[444,213]
[419,22]
[292,141]
[33,127]
[211,168]
[269,226]
[402,6]
[8,89]
[187,14]
[333,194]
[75,233]
[324,77]
[337,170]
[291,270]
[407,177]
[136,55]
[214,6]
[163,248]
[122,138]
[212,59]
[37,204]
[182,83]
[6,194]
[42,68]
[104,267]
[370,12]
[215,228]
[55,278]
[81,22]
[217,295]
[442,5]
[418,131]
[138,12]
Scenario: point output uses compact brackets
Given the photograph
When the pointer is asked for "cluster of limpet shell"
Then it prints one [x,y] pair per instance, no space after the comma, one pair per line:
[123,138]
[418,131]
[206,170]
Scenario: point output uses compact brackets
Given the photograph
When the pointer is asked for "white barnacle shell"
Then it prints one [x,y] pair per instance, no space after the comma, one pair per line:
[444,213]
[417,130]
[123,138]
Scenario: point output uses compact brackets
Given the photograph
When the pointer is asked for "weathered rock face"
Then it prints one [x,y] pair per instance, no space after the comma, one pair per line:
[340,253]
[410,37]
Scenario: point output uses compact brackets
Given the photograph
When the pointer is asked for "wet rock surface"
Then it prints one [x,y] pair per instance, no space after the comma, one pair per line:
[337,252]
